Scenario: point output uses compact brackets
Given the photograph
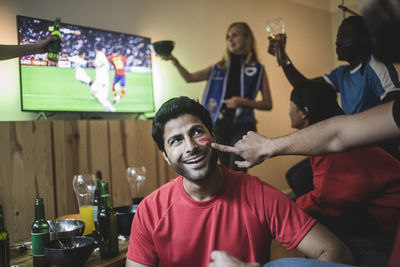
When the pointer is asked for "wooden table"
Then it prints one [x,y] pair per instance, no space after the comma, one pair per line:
[25,259]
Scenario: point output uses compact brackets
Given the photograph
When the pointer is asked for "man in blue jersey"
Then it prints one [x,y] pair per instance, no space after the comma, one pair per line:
[364,83]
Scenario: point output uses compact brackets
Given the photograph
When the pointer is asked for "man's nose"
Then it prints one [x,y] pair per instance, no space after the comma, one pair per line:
[190,144]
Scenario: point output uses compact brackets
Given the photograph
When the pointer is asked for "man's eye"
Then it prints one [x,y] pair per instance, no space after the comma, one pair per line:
[198,132]
[174,142]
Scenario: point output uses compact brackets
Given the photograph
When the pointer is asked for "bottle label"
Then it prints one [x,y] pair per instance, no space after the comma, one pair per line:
[38,241]
[95,213]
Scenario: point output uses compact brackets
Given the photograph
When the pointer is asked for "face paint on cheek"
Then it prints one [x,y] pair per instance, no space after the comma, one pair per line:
[206,141]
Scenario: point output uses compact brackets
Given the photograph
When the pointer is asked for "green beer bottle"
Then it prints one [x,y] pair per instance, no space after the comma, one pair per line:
[55,46]
[40,233]
[4,243]
[107,223]
[96,204]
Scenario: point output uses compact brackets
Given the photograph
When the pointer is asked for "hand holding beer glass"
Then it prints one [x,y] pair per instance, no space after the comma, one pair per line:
[277,37]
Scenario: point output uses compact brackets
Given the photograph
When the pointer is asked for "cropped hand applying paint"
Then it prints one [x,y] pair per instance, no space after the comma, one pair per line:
[251,148]
[232,87]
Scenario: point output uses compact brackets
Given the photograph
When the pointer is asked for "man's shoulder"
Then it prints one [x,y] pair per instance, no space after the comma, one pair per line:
[337,72]
[164,191]
[377,67]
[342,68]
[375,155]
[249,182]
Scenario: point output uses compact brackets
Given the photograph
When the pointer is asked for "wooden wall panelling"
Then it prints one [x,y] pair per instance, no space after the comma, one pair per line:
[6,173]
[42,155]
[26,171]
[118,161]
[140,151]
[98,148]
[131,145]
[79,147]
[66,164]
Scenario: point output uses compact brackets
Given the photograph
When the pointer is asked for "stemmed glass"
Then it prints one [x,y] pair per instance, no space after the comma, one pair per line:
[136,178]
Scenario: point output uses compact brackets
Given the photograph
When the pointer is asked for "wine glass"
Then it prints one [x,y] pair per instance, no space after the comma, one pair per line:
[276,32]
[136,178]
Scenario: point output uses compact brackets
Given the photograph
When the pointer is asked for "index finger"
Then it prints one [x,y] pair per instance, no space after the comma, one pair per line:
[223,148]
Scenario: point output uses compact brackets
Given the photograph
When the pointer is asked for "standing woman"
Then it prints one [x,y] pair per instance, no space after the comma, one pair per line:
[232,86]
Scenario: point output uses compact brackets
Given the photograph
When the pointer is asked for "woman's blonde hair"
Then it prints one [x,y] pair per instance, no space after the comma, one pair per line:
[250,45]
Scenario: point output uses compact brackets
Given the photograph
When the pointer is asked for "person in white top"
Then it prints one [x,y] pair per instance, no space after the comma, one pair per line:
[80,63]
[100,86]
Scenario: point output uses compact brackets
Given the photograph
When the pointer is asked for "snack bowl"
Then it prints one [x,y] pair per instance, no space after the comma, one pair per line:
[70,251]
[124,218]
[163,48]
[62,228]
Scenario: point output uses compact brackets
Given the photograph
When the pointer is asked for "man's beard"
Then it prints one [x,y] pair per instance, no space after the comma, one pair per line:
[191,174]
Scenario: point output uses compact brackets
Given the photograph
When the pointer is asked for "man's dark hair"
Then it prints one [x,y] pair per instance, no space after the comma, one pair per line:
[320,98]
[174,108]
[82,51]
[363,40]
[98,46]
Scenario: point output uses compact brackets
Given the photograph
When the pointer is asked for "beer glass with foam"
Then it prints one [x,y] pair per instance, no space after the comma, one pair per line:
[276,32]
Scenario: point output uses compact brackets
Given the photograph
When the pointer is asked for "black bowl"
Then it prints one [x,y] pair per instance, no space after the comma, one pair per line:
[124,218]
[71,251]
[163,48]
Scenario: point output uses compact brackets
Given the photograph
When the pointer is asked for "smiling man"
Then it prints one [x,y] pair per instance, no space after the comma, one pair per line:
[209,207]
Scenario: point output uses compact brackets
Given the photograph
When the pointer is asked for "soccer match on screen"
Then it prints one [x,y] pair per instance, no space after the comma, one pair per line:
[97,70]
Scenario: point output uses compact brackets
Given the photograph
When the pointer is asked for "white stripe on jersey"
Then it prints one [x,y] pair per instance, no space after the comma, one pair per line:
[383,75]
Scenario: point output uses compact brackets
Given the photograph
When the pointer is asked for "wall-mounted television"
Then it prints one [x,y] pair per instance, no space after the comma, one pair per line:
[90,62]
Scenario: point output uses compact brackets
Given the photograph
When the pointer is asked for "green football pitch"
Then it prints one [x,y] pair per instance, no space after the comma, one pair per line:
[56,89]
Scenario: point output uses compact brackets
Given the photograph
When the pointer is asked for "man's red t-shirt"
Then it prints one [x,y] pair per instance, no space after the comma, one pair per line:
[362,177]
[118,61]
[241,220]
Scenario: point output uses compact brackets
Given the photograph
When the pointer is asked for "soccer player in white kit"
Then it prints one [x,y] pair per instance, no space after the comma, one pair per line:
[80,62]
[99,88]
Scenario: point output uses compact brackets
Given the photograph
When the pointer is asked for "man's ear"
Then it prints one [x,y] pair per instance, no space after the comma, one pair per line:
[166,158]
[305,113]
